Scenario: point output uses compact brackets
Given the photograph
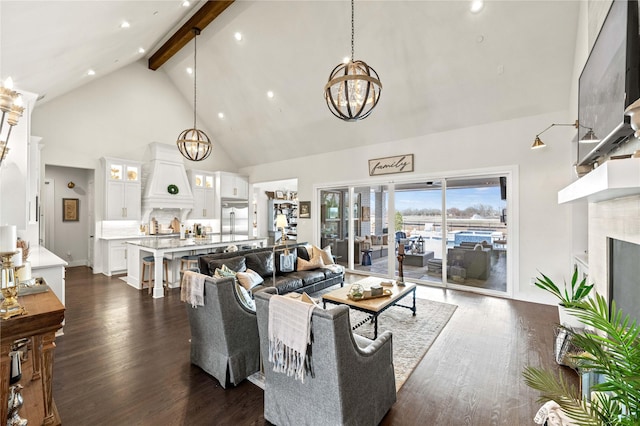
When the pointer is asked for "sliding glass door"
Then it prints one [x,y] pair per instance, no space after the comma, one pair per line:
[477,232]
[451,231]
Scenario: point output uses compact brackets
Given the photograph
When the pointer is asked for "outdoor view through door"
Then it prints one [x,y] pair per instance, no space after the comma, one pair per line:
[470,239]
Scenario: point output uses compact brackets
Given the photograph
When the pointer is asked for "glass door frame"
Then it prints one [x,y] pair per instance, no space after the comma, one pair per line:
[510,172]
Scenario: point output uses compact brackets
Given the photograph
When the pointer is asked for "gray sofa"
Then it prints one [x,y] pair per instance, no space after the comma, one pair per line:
[224,333]
[261,260]
[352,380]
[474,263]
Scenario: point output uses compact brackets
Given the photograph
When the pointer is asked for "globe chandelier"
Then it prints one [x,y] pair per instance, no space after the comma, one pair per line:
[354,88]
[194,144]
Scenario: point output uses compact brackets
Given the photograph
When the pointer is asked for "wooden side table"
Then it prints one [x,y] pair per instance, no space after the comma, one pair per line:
[44,317]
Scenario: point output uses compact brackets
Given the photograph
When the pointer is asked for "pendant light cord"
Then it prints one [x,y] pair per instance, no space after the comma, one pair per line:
[352,29]
[196,31]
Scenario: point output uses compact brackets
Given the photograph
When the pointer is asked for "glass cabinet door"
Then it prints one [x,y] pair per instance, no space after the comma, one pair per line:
[132,173]
[115,171]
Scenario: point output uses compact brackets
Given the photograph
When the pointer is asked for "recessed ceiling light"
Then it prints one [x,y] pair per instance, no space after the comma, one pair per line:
[125,24]
[189,70]
[185,3]
[91,72]
[220,115]
[476,6]
[238,36]
[140,49]
[270,94]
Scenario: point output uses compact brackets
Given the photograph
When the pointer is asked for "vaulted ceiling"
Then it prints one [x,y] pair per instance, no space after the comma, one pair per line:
[441,66]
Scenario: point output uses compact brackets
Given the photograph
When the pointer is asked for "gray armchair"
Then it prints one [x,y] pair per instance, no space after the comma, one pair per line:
[224,334]
[351,380]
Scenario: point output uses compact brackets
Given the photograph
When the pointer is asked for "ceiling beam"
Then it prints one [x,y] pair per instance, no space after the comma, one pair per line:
[209,11]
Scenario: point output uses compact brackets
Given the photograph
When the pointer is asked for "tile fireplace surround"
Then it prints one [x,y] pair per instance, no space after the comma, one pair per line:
[613,193]
[618,218]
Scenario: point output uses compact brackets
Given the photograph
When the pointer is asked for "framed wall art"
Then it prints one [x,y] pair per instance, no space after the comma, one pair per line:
[305,210]
[70,207]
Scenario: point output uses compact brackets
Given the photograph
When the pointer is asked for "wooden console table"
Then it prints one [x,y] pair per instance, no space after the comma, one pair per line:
[44,317]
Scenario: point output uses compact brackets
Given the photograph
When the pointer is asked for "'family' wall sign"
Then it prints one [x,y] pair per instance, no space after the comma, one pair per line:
[391,165]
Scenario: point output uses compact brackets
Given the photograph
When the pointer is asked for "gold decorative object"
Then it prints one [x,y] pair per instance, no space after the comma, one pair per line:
[132,175]
[10,306]
[11,108]
[71,185]
[354,88]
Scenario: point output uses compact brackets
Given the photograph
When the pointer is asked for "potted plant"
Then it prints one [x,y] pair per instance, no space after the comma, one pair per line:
[569,297]
[611,350]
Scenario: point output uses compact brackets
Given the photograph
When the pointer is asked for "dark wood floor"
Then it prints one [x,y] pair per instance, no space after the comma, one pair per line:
[124,359]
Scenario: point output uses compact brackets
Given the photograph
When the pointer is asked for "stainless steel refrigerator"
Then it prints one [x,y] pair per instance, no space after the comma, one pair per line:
[235,217]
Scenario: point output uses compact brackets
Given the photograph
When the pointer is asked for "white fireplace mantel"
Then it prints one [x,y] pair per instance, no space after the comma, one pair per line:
[613,179]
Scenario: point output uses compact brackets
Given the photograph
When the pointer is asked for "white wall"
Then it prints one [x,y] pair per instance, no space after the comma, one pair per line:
[544,232]
[71,239]
[118,116]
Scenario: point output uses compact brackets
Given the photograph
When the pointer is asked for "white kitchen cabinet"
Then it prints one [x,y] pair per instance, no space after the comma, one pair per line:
[203,188]
[116,257]
[123,189]
[232,185]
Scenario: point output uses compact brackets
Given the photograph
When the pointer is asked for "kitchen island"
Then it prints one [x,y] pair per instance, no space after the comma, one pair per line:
[173,249]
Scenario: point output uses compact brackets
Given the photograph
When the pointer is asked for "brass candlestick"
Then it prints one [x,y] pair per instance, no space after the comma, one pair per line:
[10,306]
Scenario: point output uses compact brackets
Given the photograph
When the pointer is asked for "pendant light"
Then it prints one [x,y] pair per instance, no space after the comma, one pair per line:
[194,144]
[353,89]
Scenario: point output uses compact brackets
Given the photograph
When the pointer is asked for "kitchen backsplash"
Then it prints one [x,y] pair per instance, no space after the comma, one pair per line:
[124,228]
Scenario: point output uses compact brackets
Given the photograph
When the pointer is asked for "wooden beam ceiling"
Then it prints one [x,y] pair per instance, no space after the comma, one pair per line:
[209,11]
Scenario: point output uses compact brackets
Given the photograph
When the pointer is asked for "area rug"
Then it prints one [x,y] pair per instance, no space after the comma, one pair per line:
[412,336]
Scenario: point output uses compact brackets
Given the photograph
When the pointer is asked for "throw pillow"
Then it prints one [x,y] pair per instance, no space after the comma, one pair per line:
[249,279]
[287,262]
[224,272]
[308,299]
[314,263]
[236,264]
[304,251]
[325,253]
[261,262]
[244,297]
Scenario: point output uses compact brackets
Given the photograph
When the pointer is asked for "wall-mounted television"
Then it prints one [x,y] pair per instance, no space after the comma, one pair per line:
[610,82]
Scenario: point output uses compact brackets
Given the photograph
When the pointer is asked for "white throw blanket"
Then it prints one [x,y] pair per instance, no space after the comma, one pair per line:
[289,335]
[192,288]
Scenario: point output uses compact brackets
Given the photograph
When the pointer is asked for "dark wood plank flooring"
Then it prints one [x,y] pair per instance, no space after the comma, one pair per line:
[124,359]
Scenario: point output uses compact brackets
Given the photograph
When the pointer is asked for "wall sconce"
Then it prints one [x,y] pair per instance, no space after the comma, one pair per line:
[11,107]
[588,137]
[71,185]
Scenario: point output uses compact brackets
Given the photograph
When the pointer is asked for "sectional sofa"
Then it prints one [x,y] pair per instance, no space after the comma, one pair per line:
[267,263]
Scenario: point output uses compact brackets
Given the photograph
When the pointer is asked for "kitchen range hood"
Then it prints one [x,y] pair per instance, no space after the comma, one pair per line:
[164,181]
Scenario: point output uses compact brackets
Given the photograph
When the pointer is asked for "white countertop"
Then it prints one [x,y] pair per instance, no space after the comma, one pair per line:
[177,243]
[137,237]
[40,257]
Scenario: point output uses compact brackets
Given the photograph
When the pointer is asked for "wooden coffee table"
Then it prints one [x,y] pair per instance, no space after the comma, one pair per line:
[373,307]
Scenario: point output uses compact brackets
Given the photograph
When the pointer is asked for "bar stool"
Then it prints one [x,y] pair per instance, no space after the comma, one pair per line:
[188,262]
[149,262]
